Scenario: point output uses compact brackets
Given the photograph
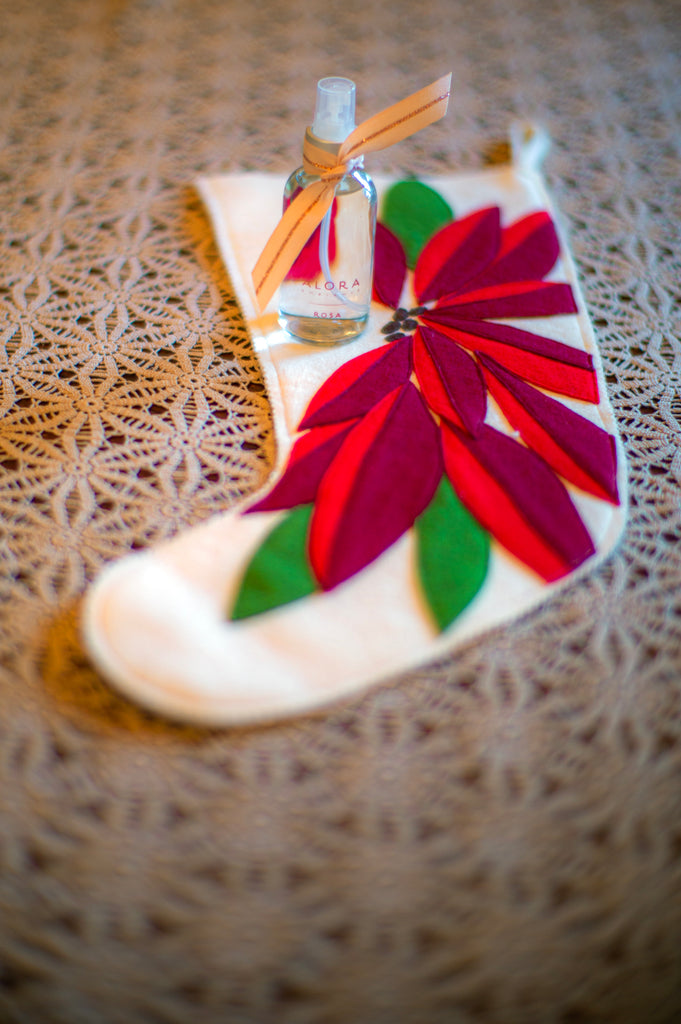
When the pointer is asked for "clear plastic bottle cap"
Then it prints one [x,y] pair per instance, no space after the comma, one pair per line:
[334,116]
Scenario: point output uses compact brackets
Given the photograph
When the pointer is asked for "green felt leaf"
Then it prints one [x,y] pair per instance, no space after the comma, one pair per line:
[452,554]
[279,571]
[414,212]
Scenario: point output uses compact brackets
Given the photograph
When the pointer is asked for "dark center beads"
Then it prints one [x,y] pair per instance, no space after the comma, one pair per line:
[402,323]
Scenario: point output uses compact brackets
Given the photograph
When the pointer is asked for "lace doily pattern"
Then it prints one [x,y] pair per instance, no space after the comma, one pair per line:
[496,837]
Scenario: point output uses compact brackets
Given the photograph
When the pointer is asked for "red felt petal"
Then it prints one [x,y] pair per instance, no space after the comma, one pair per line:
[512,493]
[518,298]
[450,380]
[390,267]
[529,250]
[456,253]
[307,463]
[549,364]
[383,477]
[359,384]
[578,449]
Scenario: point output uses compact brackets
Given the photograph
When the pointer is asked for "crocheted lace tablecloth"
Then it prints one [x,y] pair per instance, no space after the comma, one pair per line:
[495,837]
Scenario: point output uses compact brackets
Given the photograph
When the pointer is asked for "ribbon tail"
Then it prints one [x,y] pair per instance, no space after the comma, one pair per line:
[300,219]
[400,121]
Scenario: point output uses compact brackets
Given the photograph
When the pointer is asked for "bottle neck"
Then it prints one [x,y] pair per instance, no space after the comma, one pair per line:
[332,148]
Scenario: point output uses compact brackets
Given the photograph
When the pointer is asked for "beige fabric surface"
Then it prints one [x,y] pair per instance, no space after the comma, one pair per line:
[495,837]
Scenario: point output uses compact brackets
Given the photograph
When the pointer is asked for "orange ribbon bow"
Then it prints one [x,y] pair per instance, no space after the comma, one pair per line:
[307,210]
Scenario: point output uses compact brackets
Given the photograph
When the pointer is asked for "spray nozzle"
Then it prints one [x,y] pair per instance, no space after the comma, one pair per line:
[334,116]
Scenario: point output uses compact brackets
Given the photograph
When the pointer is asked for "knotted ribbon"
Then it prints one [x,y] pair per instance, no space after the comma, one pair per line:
[307,210]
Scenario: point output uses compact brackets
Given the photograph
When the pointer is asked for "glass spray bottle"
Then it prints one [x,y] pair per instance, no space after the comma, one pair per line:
[326,295]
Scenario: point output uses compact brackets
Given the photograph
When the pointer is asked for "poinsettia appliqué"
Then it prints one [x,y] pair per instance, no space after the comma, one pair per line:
[403,436]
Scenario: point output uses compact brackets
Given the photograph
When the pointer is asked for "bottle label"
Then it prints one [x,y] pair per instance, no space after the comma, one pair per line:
[330,286]
[324,298]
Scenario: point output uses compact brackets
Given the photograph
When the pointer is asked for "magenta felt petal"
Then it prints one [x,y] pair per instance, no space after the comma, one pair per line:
[383,477]
[307,463]
[450,379]
[529,250]
[390,267]
[518,299]
[357,385]
[307,265]
[457,253]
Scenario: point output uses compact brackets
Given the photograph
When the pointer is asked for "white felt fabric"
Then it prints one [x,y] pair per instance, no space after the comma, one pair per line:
[156,622]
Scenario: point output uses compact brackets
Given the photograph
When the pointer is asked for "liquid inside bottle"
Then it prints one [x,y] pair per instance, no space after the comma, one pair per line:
[326,295]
